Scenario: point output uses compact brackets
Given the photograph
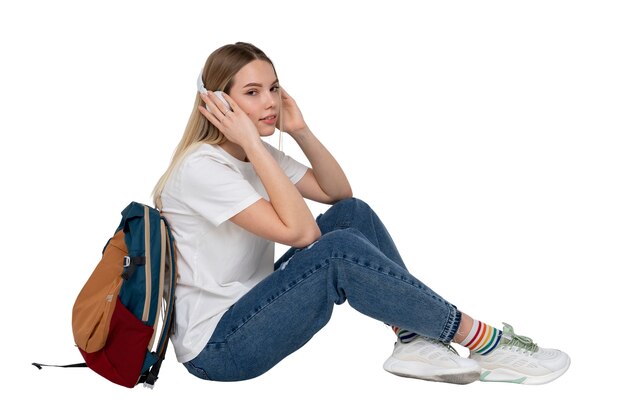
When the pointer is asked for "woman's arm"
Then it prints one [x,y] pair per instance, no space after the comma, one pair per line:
[286,218]
[325,182]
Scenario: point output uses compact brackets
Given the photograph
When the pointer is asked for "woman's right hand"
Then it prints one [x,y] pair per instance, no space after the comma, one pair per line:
[235,124]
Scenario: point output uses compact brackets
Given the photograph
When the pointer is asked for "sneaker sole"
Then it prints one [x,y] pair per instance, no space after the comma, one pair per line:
[429,373]
[514,377]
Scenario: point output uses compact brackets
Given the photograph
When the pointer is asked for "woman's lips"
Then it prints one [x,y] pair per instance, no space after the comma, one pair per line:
[269,120]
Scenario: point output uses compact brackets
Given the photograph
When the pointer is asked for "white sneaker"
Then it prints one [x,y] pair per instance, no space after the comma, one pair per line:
[518,360]
[432,360]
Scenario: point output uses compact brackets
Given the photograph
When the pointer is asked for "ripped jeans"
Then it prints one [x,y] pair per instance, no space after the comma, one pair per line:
[355,259]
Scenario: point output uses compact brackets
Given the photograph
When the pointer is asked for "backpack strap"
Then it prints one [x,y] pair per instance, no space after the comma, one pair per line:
[149,379]
[74,365]
[168,286]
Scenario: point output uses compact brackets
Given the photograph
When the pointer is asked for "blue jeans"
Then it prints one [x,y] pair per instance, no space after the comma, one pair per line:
[355,259]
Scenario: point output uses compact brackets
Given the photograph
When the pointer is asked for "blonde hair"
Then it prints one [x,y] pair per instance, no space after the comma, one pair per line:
[218,74]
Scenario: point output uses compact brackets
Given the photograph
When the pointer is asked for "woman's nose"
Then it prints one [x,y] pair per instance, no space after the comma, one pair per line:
[269,100]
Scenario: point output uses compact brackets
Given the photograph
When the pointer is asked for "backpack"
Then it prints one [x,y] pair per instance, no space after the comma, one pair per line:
[128,300]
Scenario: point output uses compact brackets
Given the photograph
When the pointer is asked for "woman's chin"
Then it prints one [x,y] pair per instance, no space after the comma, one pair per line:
[267,131]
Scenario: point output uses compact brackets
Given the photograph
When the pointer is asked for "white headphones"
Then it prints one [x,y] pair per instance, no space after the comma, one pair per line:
[203,90]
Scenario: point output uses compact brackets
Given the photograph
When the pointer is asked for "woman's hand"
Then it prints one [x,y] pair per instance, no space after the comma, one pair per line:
[235,124]
[291,115]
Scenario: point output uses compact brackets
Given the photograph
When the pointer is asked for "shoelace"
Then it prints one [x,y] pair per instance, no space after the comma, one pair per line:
[522,342]
[448,347]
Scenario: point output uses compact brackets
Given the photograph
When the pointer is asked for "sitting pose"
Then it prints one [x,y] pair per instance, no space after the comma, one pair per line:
[228,196]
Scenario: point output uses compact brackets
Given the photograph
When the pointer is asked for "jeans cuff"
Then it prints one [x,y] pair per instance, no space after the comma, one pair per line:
[452,325]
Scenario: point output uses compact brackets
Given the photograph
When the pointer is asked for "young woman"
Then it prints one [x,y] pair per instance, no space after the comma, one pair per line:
[229,196]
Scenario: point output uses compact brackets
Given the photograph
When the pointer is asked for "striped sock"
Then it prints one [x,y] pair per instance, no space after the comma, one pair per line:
[405,336]
[482,339]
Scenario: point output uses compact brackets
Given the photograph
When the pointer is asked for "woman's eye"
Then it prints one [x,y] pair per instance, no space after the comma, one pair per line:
[255,92]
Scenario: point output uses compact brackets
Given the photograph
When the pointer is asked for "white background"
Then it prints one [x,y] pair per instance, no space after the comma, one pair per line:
[488,135]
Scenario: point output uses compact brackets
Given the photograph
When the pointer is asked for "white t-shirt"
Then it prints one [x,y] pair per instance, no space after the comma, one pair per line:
[218,261]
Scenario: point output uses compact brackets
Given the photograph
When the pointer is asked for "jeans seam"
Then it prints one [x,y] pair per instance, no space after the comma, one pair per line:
[198,369]
[401,278]
[232,357]
[452,325]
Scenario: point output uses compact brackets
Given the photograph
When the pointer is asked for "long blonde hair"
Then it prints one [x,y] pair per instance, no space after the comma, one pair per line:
[218,73]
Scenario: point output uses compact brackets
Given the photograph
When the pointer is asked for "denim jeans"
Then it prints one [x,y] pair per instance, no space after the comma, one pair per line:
[356,260]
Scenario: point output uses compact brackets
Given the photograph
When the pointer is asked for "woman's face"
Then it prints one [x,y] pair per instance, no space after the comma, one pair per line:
[255,89]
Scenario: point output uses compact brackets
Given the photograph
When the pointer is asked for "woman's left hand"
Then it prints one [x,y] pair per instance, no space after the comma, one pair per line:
[291,115]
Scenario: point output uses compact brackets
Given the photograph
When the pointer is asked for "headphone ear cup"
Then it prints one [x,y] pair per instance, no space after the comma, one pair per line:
[203,90]
[219,95]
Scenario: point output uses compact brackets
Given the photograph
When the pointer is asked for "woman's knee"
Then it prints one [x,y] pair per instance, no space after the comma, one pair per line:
[354,204]
[344,214]
[340,238]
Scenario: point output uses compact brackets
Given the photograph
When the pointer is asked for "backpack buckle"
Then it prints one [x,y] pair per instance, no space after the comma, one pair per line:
[126,261]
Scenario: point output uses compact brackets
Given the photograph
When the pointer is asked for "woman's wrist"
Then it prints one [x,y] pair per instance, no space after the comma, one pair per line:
[251,144]
[301,134]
